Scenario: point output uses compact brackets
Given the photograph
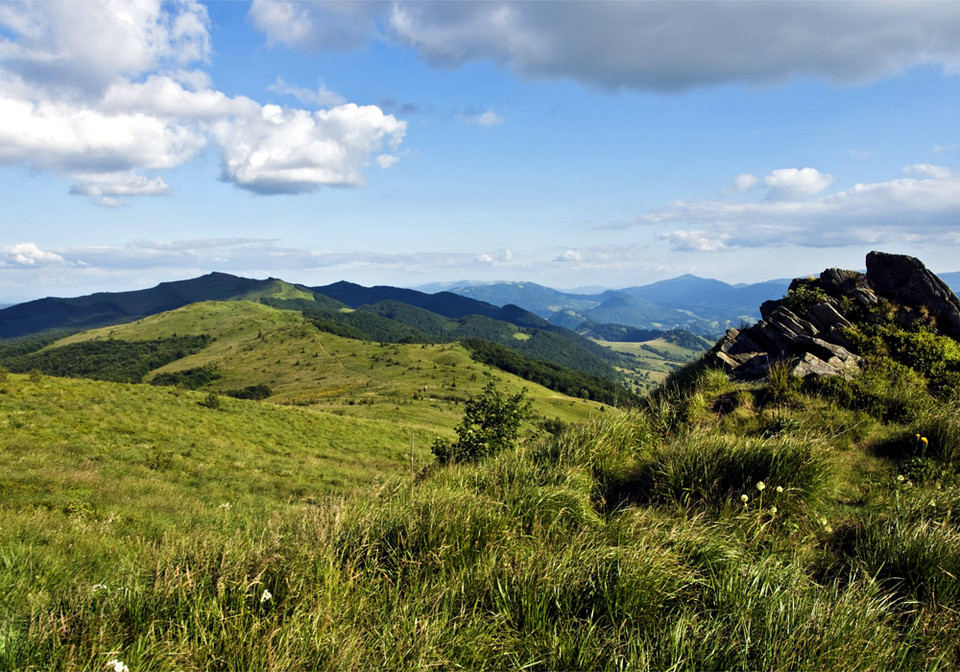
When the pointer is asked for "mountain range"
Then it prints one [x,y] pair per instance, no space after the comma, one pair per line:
[700,305]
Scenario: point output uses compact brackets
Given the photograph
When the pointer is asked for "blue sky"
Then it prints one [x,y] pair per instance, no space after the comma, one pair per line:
[570,144]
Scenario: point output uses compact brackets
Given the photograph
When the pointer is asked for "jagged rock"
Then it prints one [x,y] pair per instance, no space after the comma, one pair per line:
[839,282]
[826,318]
[906,280]
[811,365]
[815,343]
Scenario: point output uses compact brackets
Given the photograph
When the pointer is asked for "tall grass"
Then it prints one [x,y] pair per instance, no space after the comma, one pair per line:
[618,544]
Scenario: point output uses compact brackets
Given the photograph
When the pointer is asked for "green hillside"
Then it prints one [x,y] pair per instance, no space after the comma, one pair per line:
[653,360]
[105,308]
[252,344]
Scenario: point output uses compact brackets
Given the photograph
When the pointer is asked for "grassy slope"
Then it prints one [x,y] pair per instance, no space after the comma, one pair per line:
[654,362]
[620,544]
[261,345]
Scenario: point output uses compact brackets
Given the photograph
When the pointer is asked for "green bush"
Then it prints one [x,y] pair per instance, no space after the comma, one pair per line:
[803,297]
[491,422]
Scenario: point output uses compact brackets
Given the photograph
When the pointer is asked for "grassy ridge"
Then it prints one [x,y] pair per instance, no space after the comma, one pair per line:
[419,385]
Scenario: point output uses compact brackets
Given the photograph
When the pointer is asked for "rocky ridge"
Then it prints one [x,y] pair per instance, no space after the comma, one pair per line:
[807,329]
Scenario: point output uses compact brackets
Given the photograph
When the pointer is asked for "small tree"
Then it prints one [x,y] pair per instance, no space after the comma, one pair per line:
[491,422]
[212,400]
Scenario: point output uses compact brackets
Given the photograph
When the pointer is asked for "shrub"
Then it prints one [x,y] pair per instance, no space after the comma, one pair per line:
[803,297]
[491,422]
[212,400]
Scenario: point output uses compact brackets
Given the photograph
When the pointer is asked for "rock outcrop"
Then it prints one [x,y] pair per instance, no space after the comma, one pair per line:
[807,329]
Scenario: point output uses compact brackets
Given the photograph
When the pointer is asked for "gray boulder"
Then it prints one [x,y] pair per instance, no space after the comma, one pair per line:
[906,280]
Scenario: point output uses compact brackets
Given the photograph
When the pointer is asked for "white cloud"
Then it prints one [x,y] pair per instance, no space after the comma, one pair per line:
[294,151]
[87,45]
[882,212]
[485,119]
[104,130]
[105,186]
[791,183]
[501,257]
[26,255]
[693,241]
[742,184]
[322,97]
[928,170]
[386,161]
[569,255]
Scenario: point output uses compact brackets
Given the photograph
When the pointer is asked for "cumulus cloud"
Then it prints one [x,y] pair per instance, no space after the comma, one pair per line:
[881,212]
[87,45]
[791,183]
[27,255]
[294,151]
[104,128]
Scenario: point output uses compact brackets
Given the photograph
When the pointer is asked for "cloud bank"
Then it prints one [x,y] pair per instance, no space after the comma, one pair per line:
[664,46]
[105,111]
[898,210]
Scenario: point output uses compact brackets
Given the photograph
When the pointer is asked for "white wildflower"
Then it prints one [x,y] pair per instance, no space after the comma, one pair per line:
[118,666]
[761,485]
[267,595]
[744,499]
[773,510]
[779,488]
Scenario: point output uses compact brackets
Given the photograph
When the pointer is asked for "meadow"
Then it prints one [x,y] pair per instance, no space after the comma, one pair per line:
[779,524]
[725,526]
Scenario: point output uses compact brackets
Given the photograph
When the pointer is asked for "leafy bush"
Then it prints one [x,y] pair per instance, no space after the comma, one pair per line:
[255,392]
[191,379]
[491,422]
[803,297]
